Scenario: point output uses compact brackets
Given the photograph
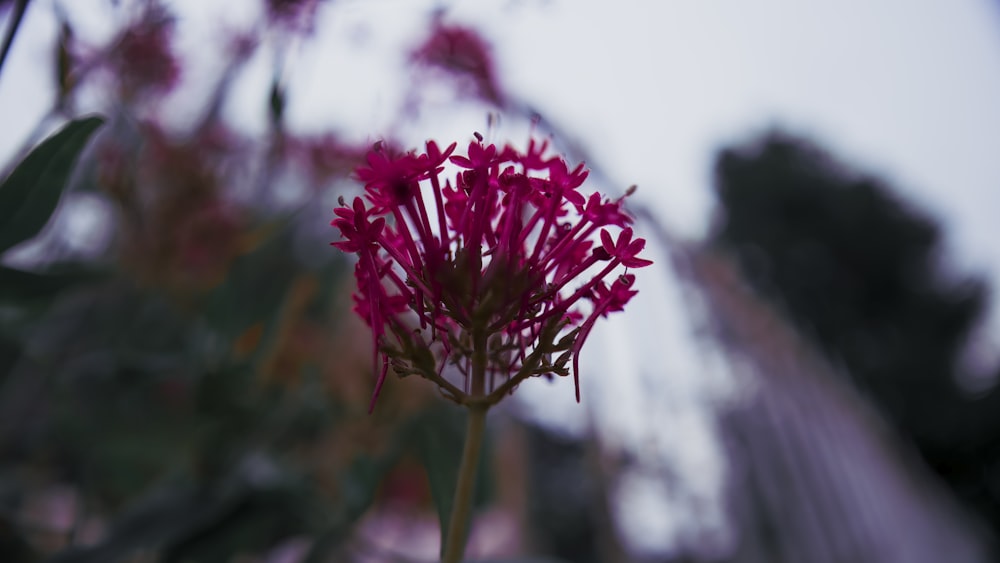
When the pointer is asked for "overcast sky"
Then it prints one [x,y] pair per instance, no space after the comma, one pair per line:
[906,89]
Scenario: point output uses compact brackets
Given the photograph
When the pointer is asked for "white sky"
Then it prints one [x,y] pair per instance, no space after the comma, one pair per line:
[907,89]
[904,88]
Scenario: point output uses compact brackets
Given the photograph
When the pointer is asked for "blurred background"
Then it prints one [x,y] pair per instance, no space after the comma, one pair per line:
[807,374]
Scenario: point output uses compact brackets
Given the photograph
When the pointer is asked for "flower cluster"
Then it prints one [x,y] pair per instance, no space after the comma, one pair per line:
[490,276]
[142,57]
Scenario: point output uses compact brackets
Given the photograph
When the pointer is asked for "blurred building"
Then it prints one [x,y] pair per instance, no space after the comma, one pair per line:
[816,475]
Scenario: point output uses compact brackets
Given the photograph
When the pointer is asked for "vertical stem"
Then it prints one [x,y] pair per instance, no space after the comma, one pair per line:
[462,502]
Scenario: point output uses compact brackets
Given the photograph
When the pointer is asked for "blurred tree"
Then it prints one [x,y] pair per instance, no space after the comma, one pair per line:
[858,270]
[565,499]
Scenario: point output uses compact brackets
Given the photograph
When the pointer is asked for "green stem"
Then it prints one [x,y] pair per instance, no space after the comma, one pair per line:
[462,503]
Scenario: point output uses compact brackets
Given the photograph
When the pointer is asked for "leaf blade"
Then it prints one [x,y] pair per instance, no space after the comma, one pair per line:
[29,195]
[19,286]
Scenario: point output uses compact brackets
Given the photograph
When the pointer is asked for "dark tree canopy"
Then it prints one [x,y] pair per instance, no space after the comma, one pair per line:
[859,270]
[851,264]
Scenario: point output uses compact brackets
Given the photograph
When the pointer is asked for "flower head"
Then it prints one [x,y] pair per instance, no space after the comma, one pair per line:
[507,260]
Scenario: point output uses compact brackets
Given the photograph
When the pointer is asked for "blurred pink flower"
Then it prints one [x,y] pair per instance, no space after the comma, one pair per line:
[506,253]
[142,57]
[294,15]
[463,53]
[324,157]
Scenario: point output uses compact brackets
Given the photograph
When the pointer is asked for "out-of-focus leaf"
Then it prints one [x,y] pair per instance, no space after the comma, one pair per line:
[357,487]
[159,520]
[10,353]
[30,194]
[258,520]
[329,276]
[18,286]
[254,289]
[204,524]
[439,437]
[14,545]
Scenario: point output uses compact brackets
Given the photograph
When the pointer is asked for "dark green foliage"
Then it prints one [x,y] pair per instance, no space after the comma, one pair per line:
[168,411]
[247,296]
[138,401]
[199,524]
[20,286]
[175,386]
[852,265]
[566,499]
[30,194]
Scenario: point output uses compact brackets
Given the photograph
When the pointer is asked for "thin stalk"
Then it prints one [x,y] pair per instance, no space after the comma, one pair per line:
[15,24]
[462,503]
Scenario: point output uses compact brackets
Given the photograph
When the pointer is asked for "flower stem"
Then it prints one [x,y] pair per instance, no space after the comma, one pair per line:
[462,502]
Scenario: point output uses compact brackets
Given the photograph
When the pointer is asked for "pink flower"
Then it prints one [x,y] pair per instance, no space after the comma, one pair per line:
[508,256]
[324,157]
[142,57]
[356,228]
[465,54]
[625,249]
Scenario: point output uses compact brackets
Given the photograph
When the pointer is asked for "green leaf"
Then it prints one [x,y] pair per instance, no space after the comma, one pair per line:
[439,437]
[255,288]
[188,523]
[30,194]
[18,286]
[358,485]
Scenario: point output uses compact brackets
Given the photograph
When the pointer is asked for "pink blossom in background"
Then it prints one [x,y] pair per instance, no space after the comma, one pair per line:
[463,53]
[142,57]
[294,15]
